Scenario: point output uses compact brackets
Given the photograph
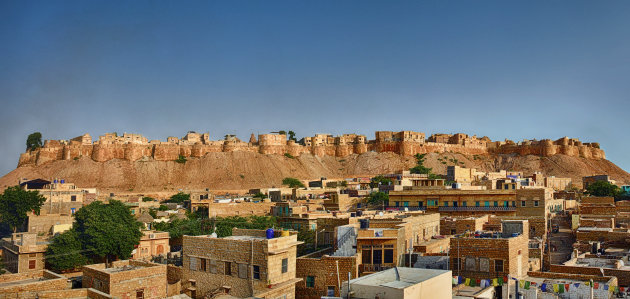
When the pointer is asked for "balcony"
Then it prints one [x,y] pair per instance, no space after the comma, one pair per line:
[477,209]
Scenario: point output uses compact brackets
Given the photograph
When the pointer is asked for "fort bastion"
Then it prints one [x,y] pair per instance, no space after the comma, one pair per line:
[134,147]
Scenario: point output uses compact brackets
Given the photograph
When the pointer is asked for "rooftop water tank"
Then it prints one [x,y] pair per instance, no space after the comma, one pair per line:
[270,234]
[284,233]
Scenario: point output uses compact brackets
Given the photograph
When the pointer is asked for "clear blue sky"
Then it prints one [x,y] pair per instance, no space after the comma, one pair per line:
[505,69]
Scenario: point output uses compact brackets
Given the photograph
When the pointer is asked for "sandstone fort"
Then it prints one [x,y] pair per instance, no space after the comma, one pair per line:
[134,147]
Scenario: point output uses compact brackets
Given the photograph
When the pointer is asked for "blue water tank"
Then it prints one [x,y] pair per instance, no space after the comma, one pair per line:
[63,181]
[270,233]
[515,234]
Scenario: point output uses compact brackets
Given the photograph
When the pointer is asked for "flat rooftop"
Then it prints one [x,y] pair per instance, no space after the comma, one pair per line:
[10,280]
[408,277]
[123,268]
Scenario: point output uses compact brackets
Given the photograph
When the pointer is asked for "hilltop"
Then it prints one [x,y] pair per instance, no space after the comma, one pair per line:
[238,170]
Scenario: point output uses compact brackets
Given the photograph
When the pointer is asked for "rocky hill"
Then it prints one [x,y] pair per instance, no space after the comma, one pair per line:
[239,170]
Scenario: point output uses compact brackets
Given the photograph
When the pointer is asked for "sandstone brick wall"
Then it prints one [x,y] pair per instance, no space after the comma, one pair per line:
[149,278]
[509,250]
[218,253]
[324,271]
[44,223]
[21,290]
[240,209]
[452,226]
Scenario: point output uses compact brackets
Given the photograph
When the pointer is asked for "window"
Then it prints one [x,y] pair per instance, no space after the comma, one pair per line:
[522,203]
[285,265]
[397,203]
[420,204]
[212,266]
[535,203]
[405,203]
[377,257]
[486,203]
[256,272]
[476,203]
[496,203]
[32,264]
[446,203]
[366,256]
[73,198]
[456,263]
[498,265]
[389,256]
[139,294]
[227,268]
[242,271]
[454,203]
[484,264]
[310,281]
[471,264]
[202,263]
[464,204]
[193,264]
[514,204]
[453,231]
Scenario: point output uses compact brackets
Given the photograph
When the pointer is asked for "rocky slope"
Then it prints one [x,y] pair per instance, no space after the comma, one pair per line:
[243,170]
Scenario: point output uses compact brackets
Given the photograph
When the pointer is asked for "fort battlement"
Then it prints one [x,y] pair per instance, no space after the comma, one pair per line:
[134,147]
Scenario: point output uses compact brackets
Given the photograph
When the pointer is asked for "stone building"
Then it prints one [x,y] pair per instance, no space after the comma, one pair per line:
[23,252]
[383,242]
[322,272]
[457,202]
[127,279]
[492,255]
[242,265]
[61,197]
[152,244]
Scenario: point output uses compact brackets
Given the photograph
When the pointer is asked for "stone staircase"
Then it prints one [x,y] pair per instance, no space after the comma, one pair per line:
[346,242]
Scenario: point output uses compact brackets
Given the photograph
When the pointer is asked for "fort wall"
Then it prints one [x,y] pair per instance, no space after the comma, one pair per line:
[133,147]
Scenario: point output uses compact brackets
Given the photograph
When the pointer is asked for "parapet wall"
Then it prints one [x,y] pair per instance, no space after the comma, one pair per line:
[349,144]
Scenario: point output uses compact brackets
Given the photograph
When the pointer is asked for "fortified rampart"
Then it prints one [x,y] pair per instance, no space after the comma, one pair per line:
[133,147]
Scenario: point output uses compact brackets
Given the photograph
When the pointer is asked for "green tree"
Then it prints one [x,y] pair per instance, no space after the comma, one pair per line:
[260,195]
[163,208]
[374,182]
[16,202]
[179,198]
[292,136]
[282,132]
[34,141]
[420,168]
[292,183]
[153,212]
[378,198]
[147,198]
[107,231]
[181,159]
[65,252]
[603,188]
